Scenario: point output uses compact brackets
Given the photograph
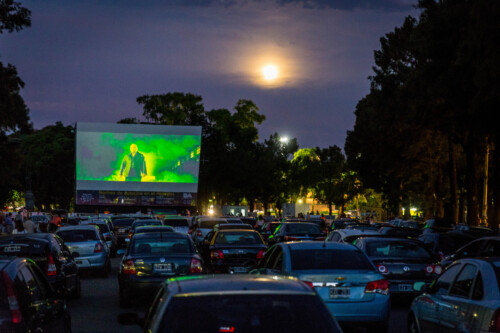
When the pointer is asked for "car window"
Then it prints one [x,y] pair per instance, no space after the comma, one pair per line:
[237,238]
[176,223]
[278,263]
[387,249]
[264,262]
[302,228]
[35,292]
[160,246]
[335,237]
[45,288]
[82,235]
[492,249]
[247,313]
[463,283]
[442,284]
[321,259]
[478,292]
[469,250]
[209,224]
[272,259]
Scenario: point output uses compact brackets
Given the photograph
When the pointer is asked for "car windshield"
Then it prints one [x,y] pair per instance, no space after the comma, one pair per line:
[78,235]
[237,238]
[302,228]
[396,250]
[123,222]
[160,246]
[247,313]
[319,259]
[209,224]
[177,223]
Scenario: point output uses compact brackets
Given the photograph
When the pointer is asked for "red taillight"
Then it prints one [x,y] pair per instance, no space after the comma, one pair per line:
[379,287]
[309,283]
[382,268]
[17,317]
[226,329]
[216,255]
[195,266]
[51,266]
[129,267]
[98,248]
[437,269]
[260,254]
[130,234]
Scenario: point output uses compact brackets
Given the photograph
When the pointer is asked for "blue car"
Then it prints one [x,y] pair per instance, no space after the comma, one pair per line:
[341,274]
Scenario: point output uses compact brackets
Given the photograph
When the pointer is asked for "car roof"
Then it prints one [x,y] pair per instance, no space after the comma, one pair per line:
[45,237]
[245,284]
[77,227]
[389,239]
[313,245]
[353,232]
[155,235]
[158,228]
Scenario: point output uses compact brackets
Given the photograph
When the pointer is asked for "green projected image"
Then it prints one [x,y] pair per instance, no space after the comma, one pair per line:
[126,157]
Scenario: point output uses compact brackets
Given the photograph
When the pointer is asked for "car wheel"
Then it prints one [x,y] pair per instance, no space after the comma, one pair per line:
[77,292]
[124,301]
[412,324]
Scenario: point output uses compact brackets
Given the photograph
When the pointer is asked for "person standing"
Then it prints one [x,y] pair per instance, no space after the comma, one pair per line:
[29,225]
[133,165]
[9,224]
[19,229]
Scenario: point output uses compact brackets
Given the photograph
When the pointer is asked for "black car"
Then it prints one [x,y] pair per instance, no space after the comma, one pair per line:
[51,255]
[482,247]
[400,232]
[253,304]
[142,223]
[402,261]
[150,258]
[122,228]
[28,303]
[444,243]
[296,231]
[234,251]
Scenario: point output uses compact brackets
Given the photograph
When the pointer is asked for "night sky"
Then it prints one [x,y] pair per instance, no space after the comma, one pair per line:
[90,60]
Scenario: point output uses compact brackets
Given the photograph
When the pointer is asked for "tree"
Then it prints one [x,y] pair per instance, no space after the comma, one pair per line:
[13,16]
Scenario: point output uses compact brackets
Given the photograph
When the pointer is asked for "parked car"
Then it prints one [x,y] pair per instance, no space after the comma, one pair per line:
[296,231]
[465,298]
[28,303]
[153,229]
[402,232]
[235,304]
[268,228]
[51,254]
[444,244]
[179,224]
[203,226]
[482,247]
[233,251]
[349,235]
[106,231]
[142,223]
[341,274]
[88,247]
[150,258]
[122,227]
[401,261]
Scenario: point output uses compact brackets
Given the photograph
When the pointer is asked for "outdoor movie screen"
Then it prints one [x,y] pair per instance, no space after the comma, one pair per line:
[118,162]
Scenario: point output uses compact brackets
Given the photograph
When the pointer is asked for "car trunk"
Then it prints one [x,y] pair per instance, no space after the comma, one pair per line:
[36,250]
[238,255]
[406,269]
[82,249]
[340,285]
[156,266]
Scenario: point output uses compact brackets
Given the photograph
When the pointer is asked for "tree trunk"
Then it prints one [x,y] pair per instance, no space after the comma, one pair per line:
[471,181]
[494,221]
[266,205]
[453,181]
[330,208]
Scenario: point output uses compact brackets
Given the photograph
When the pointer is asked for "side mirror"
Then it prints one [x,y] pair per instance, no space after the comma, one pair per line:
[129,319]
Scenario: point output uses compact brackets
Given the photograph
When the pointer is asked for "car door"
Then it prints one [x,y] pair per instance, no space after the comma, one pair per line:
[68,264]
[428,303]
[457,310]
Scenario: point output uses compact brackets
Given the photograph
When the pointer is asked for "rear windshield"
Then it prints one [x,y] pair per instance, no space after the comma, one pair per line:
[103,228]
[396,250]
[302,228]
[123,222]
[77,235]
[247,313]
[329,259]
[161,246]
[24,248]
[146,222]
[177,223]
[210,223]
[238,238]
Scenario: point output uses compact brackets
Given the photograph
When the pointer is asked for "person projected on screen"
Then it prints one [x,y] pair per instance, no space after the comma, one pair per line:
[133,165]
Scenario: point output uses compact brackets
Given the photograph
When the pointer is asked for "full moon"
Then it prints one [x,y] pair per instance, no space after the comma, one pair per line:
[270,72]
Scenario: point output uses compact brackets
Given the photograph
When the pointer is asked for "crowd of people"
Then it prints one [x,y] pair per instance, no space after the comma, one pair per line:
[18,223]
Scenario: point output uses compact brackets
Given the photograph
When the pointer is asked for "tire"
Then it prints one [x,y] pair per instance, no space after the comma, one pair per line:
[77,292]
[412,324]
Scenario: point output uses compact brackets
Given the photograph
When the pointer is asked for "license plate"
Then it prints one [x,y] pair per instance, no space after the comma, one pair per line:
[163,268]
[12,248]
[340,292]
[405,287]
[239,269]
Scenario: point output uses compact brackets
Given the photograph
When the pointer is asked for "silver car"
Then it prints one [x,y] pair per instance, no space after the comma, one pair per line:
[465,298]
[179,224]
[88,247]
